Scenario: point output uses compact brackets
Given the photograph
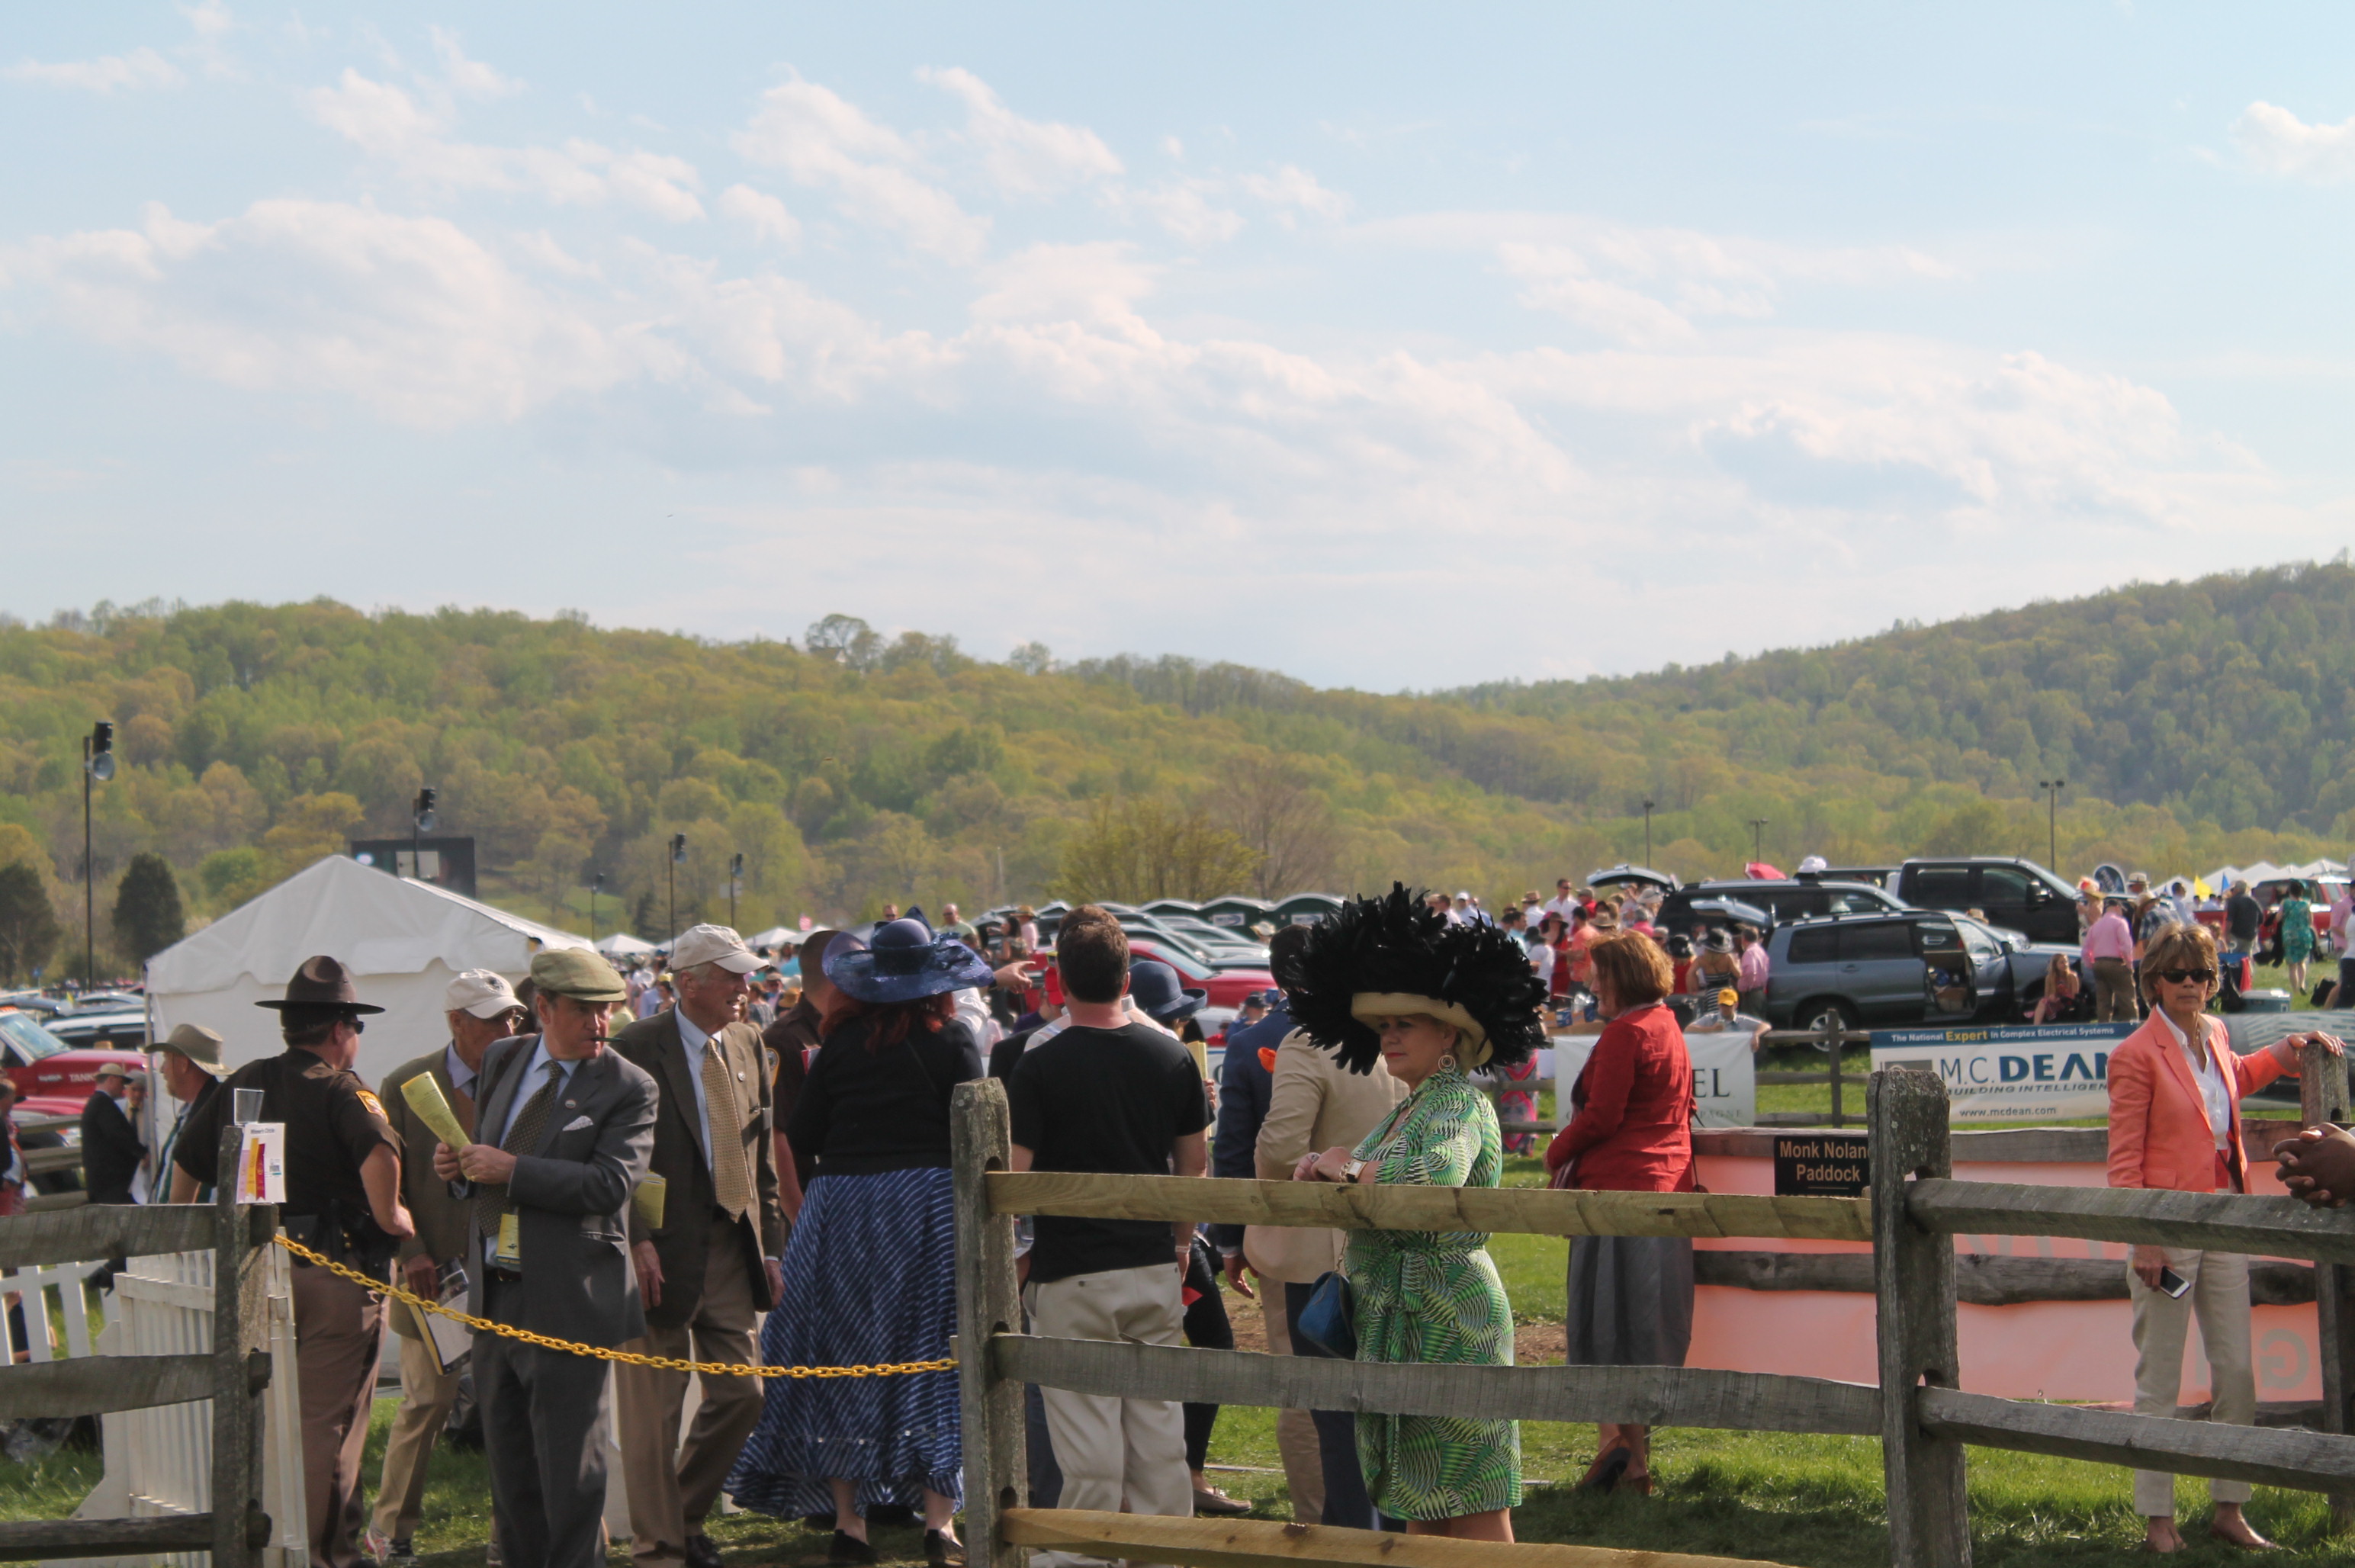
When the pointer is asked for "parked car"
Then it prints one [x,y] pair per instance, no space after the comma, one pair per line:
[2016,895]
[53,1078]
[1889,970]
[1684,912]
[1784,898]
[1227,987]
[121,1029]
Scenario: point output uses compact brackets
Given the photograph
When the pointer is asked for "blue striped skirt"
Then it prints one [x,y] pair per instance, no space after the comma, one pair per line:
[869,1277]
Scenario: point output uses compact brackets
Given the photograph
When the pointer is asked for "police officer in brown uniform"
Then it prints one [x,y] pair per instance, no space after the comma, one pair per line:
[342,1200]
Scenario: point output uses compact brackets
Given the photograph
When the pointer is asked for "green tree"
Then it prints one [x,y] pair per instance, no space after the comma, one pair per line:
[147,915]
[231,876]
[1135,850]
[29,922]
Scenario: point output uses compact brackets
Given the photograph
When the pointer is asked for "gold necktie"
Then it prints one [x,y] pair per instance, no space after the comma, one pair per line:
[731,1184]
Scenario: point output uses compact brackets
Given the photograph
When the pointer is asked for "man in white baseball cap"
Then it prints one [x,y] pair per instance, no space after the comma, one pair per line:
[480,1009]
[712,1261]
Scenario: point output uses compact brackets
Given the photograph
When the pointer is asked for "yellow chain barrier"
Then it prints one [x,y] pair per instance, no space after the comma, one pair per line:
[628,1358]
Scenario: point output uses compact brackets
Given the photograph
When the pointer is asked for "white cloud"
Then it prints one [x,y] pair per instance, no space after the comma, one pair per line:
[413,137]
[141,69]
[1292,190]
[210,18]
[1187,209]
[2276,141]
[1095,284]
[470,78]
[823,141]
[763,213]
[1024,157]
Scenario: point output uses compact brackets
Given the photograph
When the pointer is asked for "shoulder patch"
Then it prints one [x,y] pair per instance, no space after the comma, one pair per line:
[375,1106]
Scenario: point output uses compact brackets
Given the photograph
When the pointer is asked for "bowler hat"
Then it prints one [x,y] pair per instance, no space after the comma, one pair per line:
[1154,986]
[322,983]
[906,961]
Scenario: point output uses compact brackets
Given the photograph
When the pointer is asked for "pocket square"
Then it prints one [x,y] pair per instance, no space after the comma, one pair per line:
[576,1123]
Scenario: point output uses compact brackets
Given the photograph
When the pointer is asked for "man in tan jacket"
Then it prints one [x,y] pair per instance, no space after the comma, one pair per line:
[481,1008]
[1315,1104]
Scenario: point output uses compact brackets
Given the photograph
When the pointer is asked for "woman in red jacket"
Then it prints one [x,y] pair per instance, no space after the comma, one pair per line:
[2176,1088]
[1631,1297]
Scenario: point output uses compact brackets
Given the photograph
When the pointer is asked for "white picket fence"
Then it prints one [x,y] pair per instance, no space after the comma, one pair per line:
[159,1461]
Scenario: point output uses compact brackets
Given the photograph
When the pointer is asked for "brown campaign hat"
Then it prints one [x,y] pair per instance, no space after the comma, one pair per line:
[581,973]
[322,982]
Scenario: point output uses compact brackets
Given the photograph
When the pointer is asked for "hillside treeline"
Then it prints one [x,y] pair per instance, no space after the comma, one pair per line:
[2195,724]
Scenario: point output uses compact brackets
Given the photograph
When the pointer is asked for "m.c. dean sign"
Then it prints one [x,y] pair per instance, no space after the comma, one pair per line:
[2050,1072]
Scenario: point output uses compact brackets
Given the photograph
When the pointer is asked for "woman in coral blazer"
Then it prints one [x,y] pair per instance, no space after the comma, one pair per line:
[2175,1124]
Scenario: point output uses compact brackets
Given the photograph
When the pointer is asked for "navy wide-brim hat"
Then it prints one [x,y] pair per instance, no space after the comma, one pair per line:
[904,962]
[1154,986]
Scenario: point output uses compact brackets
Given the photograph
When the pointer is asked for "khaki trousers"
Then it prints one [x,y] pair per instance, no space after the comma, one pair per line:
[2219,1296]
[2113,991]
[338,1334]
[427,1393]
[1295,1432]
[672,1490]
[1116,1455]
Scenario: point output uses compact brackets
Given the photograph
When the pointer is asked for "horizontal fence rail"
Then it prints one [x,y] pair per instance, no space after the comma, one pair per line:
[1244,1543]
[1657,1396]
[1981,1279]
[2226,1223]
[105,1230]
[1525,1210]
[2270,1455]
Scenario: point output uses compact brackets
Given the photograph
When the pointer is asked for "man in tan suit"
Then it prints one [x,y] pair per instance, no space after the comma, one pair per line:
[1315,1104]
[713,1261]
[481,1008]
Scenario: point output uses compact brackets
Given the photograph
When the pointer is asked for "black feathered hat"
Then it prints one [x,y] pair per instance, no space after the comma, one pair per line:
[1385,957]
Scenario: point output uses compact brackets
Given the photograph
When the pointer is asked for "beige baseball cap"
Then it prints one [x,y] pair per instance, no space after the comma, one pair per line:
[482,992]
[700,944]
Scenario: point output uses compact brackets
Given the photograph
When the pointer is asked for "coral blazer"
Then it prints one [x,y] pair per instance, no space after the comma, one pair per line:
[1633,1128]
[2159,1135]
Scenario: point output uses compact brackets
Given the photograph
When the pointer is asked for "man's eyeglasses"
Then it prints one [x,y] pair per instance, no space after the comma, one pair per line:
[2194,976]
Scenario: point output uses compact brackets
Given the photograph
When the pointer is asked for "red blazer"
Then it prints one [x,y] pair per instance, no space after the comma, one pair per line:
[2159,1135]
[1633,1128]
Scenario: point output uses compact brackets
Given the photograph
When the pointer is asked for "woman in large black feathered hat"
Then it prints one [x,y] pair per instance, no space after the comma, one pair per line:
[1390,979]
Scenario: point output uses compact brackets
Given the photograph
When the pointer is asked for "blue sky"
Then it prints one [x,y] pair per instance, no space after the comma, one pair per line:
[1391,347]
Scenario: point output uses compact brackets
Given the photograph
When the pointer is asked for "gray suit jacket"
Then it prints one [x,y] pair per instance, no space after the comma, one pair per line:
[572,1196]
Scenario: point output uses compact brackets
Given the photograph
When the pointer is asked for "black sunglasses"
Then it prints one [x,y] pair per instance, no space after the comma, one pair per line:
[2196,977]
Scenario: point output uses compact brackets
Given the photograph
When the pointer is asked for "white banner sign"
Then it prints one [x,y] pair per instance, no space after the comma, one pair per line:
[1725,1075]
[2046,1074]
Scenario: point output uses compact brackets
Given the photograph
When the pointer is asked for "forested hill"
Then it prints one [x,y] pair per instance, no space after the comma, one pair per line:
[2195,724]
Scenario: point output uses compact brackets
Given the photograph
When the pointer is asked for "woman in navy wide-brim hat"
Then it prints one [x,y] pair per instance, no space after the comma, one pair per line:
[868,1272]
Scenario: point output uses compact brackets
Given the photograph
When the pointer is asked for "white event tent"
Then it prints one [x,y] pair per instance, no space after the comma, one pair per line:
[622,944]
[402,941]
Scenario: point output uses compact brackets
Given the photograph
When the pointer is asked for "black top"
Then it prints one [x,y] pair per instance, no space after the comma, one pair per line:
[109,1149]
[1008,1051]
[1108,1100]
[2242,914]
[863,1110]
[333,1123]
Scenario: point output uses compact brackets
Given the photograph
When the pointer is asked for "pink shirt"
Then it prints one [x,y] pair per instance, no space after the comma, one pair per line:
[1753,968]
[2110,937]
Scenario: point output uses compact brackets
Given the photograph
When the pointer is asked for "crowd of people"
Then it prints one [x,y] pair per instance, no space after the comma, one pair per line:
[746,1145]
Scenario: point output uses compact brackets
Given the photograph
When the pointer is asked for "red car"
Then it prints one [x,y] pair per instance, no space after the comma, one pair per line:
[52,1079]
[1227,987]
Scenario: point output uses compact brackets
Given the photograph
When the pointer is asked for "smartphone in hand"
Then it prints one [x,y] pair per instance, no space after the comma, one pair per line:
[2174,1284]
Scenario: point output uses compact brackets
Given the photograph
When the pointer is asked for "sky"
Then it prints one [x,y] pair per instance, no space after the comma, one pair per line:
[1391,347]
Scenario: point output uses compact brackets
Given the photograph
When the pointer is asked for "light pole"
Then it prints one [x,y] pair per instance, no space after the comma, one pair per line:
[1758,838]
[678,856]
[2052,788]
[422,821]
[97,766]
[1647,833]
[735,875]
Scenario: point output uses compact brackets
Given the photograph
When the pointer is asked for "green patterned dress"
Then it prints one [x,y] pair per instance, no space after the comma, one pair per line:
[1425,1295]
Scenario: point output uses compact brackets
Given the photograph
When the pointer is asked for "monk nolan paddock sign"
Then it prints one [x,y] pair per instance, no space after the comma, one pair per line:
[2045,1073]
[1821,1165]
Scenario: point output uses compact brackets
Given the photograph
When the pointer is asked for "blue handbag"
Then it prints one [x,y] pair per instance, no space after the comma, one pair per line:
[1329,1321]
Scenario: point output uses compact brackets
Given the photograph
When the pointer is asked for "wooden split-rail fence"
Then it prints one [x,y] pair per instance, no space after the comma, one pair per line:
[234,1375]
[1922,1416]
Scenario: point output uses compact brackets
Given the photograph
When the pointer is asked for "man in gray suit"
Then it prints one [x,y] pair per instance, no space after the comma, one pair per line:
[567,1128]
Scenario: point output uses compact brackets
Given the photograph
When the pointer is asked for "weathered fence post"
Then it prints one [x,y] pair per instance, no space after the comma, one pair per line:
[989,1302]
[1835,1042]
[241,1321]
[1914,1283]
[2322,1100]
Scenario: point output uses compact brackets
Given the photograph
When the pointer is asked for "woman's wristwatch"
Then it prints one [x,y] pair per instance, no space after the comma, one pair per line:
[1349,1169]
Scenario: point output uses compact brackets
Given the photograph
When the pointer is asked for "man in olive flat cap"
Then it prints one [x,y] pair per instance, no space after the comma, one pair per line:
[563,1130]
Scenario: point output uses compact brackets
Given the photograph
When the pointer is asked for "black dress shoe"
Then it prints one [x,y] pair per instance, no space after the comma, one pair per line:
[848,1548]
[701,1551]
[943,1552]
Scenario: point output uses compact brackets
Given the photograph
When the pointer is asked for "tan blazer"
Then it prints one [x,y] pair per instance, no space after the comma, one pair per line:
[444,1225]
[1316,1104]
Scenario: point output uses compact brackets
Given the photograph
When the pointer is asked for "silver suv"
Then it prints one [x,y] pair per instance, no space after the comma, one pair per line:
[1890,970]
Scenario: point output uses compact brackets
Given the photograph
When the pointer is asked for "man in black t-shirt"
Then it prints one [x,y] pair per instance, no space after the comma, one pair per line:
[1110,1094]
